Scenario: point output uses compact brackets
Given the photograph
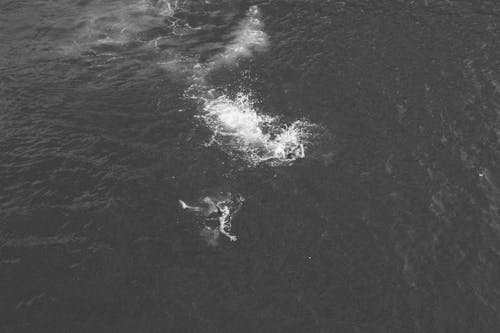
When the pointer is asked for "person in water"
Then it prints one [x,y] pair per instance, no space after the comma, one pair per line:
[217,215]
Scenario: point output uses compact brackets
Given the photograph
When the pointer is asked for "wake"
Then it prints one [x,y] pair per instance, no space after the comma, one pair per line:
[238,128]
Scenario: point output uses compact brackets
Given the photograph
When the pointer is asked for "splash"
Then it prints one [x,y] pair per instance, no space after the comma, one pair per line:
[239,129]
[236,125]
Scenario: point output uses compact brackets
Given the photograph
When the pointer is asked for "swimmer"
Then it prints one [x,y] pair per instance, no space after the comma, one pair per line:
[218,216]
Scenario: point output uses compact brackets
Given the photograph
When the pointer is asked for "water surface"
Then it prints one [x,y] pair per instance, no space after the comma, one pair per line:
[112,111]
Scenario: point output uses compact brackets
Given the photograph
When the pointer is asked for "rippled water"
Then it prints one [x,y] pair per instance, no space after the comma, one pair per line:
[113,111]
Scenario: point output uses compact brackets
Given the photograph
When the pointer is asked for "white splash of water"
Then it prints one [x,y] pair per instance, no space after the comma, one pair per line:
[238,128]
[257,138]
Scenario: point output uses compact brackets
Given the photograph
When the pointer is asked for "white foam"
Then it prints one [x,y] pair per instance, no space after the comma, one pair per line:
[113,22]
[237,118]
[247,38]
[238,128]
[256,137]
[236,125]
[168,7]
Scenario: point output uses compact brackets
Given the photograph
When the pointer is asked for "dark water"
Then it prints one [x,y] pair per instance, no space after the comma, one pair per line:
[392,226]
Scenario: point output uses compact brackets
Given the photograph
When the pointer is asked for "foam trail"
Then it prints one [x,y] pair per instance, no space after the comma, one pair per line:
[247,38]
[113,24]
[168,7]
[238,128]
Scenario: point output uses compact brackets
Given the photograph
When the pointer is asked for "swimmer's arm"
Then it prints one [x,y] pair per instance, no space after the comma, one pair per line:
[186,206]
